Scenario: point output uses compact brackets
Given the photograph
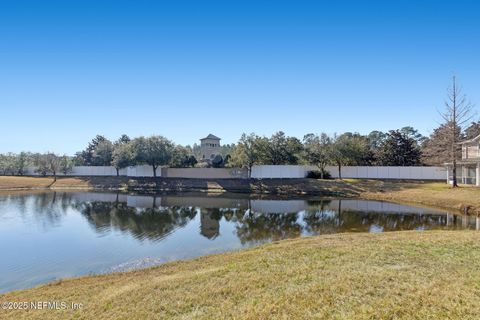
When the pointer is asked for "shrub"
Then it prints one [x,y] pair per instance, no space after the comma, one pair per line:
[218,162]
[317,174]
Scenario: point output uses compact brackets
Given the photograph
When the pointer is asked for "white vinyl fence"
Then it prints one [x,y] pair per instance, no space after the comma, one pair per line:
[201,173]
[283,172]
[142,171]
[264,172]
[86,171]
[357,172]
[377,172]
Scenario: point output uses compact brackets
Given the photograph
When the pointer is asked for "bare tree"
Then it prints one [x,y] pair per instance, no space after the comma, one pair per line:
[66,164]
[54,164]
[458,112]
[436,149]
[48,163]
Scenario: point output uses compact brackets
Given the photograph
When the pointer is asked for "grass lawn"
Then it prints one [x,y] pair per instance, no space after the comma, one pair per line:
[435,194]
[12,183]
[15,182]
[397,275]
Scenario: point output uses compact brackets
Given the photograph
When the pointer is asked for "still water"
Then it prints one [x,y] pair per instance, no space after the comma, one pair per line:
[48,236]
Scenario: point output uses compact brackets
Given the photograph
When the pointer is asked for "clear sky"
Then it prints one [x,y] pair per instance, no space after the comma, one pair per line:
[72,69]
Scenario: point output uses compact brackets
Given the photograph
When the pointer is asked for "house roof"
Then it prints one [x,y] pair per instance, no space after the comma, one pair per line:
[464,162]
[471,140]
[211,136]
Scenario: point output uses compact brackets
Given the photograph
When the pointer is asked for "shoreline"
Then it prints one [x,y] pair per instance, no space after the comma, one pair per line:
[465,199]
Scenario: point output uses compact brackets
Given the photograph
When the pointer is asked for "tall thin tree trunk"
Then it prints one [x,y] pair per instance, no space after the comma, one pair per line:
[454,135]
[340,171]
[454,172]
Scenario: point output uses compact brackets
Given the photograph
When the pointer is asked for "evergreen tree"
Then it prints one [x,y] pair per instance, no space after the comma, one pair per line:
[399,149]
[473,130]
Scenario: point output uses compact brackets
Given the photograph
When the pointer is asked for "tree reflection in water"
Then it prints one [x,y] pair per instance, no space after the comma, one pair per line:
[329,217]
[255,227]
[319,217]
[268,220]
[143,223]
[50,207]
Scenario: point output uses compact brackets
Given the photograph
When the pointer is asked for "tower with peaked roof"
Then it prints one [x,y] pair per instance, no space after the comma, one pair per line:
[209,147]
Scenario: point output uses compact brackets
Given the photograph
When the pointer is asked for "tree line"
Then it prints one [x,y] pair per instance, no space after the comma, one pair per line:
[44,163]
[402,147]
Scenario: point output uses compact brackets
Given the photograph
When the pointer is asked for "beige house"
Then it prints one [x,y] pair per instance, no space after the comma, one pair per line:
[209,147]
[468,169]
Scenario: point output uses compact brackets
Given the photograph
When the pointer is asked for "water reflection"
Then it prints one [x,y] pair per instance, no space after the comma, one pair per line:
[256,227]
[64,234]
[369,216]
[142,223]
[155,217]
[255,221]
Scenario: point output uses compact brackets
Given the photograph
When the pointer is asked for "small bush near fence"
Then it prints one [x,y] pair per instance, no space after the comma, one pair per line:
[317,174]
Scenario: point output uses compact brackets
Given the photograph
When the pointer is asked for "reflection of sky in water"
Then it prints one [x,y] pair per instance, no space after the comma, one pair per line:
[47,236]
[375,228]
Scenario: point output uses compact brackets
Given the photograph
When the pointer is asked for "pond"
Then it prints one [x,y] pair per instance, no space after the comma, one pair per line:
[52,235]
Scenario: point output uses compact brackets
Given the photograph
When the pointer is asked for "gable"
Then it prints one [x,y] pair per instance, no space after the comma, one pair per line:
[211,137]
[476,139]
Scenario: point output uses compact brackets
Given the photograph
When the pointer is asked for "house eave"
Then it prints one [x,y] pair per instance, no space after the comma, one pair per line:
[464,162]
[477,138]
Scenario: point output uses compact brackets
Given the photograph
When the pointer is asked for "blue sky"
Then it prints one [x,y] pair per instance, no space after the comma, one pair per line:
[72,69]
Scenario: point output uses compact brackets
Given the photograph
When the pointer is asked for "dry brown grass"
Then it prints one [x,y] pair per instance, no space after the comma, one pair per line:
[398,275]
[434,194]
[13,183]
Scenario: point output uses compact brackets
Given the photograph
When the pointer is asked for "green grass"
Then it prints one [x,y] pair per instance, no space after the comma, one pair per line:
[398,275]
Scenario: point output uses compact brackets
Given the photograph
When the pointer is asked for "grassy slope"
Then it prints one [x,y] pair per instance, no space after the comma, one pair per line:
[28,183]
[421,193]
[401,275]
[435,194]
